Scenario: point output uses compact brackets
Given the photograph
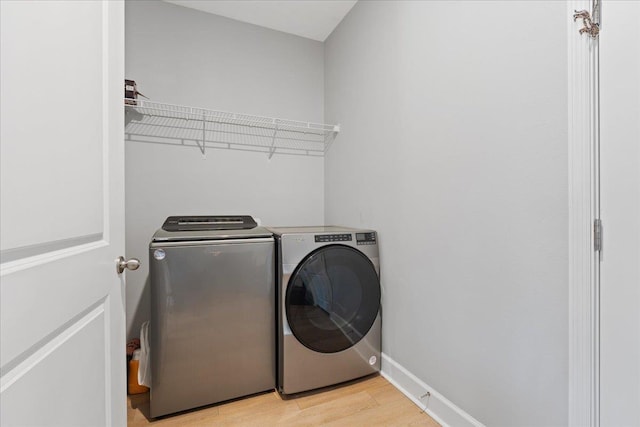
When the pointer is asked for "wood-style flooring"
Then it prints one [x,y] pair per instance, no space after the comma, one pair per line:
[371,401]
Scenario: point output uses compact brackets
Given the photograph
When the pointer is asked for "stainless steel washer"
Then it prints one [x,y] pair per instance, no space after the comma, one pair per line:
[212,312]
[328,299]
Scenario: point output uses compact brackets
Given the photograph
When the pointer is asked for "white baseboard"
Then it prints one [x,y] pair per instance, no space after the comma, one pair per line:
[436,406]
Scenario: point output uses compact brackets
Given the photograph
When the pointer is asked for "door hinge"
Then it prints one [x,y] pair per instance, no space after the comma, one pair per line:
[597,235]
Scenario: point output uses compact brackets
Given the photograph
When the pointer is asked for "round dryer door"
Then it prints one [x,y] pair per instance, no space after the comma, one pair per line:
[332,298]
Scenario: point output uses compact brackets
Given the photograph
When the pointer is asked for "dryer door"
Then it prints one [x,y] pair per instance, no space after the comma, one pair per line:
[332,298]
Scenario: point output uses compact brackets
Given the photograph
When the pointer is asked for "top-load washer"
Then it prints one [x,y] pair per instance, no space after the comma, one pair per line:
[212,312]
[328,306]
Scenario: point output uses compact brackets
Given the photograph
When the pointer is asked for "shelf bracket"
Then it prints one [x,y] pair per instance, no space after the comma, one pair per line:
[329,137]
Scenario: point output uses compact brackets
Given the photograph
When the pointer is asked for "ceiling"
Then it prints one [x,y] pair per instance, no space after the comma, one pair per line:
[313,19]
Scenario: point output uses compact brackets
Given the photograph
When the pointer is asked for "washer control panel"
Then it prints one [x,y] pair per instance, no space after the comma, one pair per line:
[322,238]
[366,238]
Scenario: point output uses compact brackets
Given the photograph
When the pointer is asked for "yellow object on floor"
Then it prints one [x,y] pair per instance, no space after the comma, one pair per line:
[134,387]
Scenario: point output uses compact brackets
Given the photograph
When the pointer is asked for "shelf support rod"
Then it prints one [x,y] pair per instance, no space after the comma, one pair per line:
[272,150]
[204,127]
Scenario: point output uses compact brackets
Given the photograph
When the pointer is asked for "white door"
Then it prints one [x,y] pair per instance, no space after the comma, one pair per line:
[62,210]
[620,213]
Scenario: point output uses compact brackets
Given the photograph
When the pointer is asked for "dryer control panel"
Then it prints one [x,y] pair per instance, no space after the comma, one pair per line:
[322,238]
[366,238]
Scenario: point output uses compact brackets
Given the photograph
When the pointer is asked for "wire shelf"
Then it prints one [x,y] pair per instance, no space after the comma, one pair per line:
[148,121]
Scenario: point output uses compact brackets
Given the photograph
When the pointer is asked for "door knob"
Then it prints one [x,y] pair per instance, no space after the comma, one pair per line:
[130,264]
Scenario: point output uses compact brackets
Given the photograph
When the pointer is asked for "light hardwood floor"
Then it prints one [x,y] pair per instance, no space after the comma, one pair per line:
[371,401]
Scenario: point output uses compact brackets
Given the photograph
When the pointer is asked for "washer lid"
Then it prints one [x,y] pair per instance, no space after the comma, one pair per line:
[209,222]
[210,227]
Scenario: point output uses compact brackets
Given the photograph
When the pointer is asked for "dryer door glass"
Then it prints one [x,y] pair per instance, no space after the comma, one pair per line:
[332,298]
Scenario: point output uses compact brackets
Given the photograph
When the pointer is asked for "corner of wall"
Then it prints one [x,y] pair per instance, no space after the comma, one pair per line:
[438,407]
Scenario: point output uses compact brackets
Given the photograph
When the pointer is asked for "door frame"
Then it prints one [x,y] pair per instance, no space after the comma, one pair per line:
[584,209]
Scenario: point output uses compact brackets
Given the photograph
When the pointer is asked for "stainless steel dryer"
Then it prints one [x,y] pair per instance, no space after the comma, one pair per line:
[212,312]
[328,301]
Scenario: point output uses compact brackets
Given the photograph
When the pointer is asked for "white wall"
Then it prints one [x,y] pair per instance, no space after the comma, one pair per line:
[183,56]
[620,212]
[453,146]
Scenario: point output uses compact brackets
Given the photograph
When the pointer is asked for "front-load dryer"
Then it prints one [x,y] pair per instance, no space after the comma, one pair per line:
[328,306]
